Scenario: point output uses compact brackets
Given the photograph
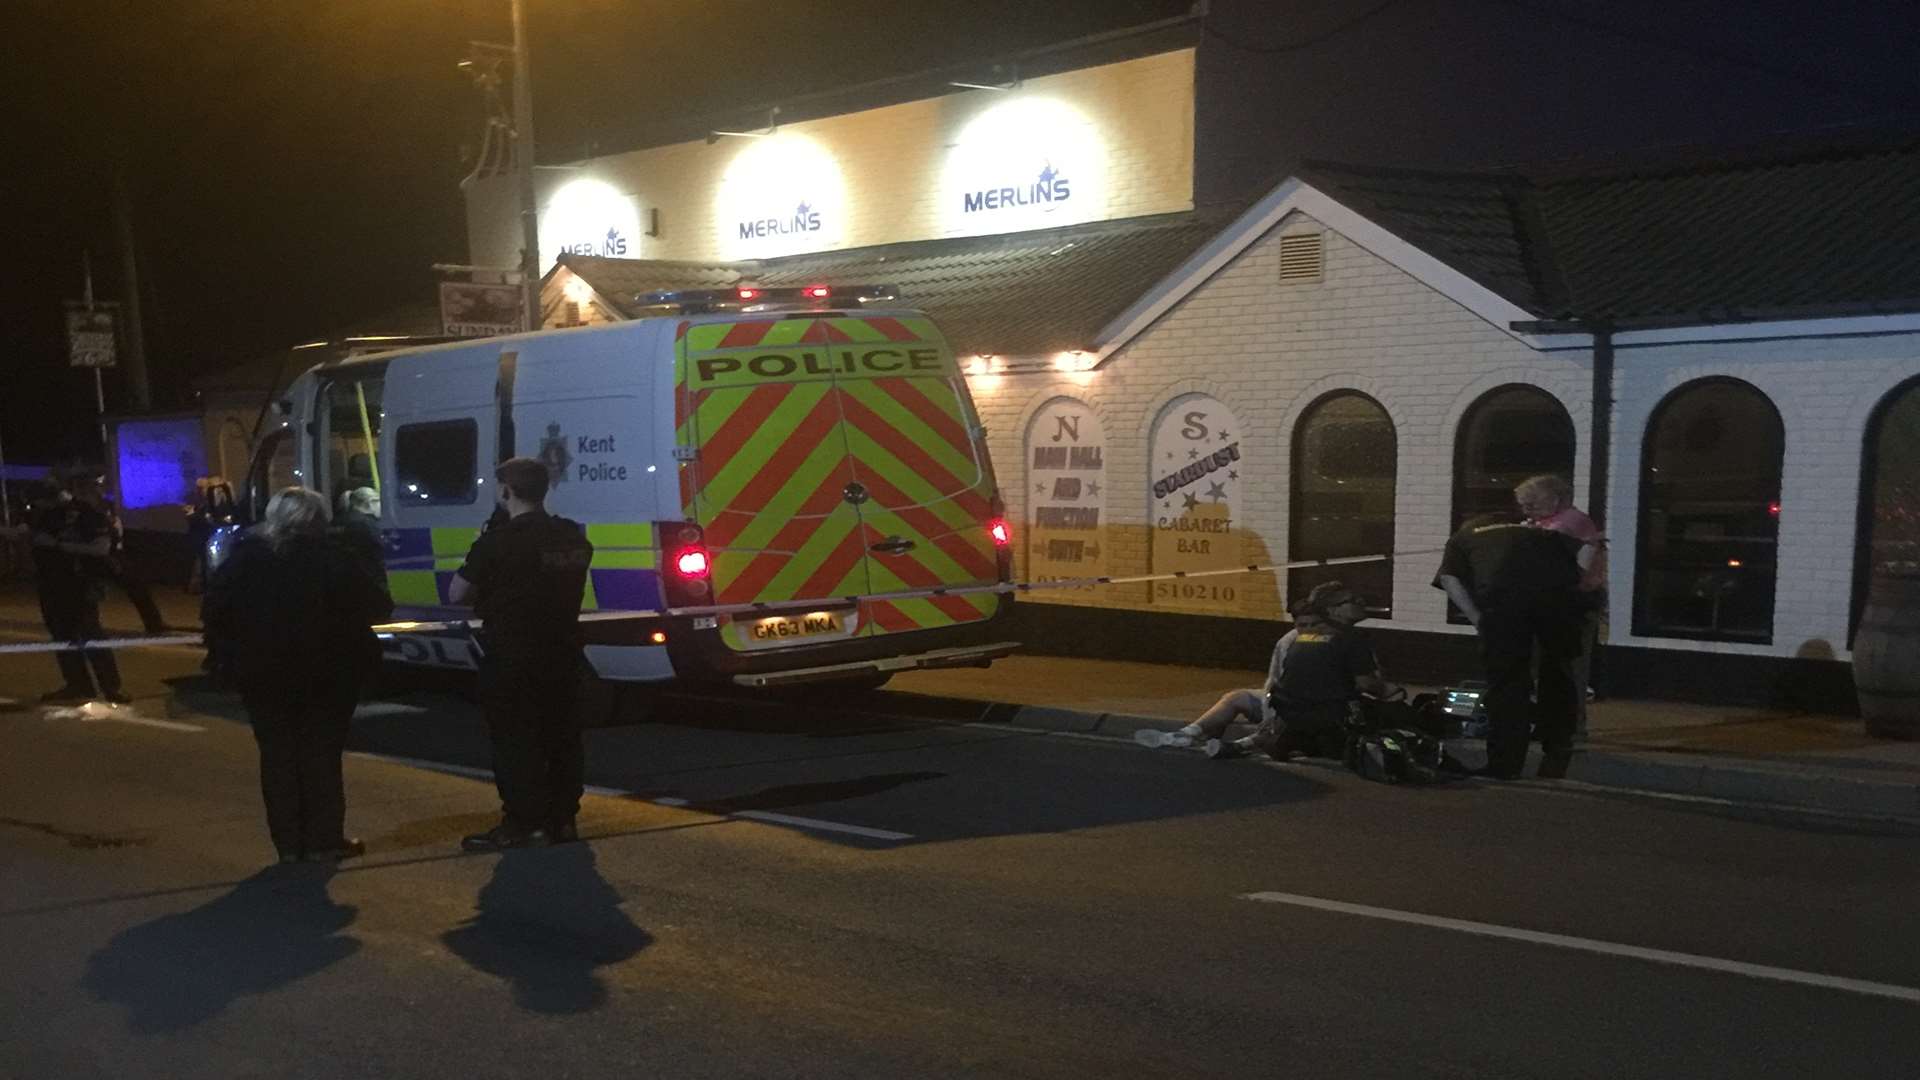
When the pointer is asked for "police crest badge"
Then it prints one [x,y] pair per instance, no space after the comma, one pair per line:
[553,453]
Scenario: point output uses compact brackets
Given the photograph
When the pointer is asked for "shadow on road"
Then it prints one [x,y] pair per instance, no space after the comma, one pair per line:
[275,928]
[545,922]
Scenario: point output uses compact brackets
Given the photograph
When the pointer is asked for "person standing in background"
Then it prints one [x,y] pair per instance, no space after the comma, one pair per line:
[73,543]
[1547,502]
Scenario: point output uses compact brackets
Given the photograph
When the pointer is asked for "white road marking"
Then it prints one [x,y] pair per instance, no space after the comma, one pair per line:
[373,710]
[1605,948]
[93,712]
[815,824]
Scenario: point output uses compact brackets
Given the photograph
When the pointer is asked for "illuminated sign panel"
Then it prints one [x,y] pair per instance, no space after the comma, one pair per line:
[781,194]
[1024,163]
[589,217]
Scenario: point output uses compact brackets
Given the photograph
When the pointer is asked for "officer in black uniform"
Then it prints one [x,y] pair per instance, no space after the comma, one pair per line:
[525,578]
[1319,668]
[1519,586]
[72,540]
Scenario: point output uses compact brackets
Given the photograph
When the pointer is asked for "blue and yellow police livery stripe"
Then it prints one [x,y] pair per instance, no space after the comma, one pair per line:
[624,575]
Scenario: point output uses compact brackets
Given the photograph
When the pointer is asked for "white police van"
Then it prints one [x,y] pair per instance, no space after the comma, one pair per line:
[736,449]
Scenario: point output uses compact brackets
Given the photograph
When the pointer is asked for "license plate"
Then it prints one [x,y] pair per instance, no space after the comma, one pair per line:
[780,629]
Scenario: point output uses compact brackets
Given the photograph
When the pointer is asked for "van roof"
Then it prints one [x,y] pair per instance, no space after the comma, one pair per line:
[888,311]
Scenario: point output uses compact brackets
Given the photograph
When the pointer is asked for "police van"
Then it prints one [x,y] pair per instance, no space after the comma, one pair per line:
[740,447]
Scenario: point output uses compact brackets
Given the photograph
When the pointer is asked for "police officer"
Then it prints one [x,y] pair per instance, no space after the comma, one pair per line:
[525,578]
[1319,667]
[1519,586]
[71,536]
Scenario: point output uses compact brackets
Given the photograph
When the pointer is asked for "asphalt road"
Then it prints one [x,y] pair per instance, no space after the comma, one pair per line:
[823,888]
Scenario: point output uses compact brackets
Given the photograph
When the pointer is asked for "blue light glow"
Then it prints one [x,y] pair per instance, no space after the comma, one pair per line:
[159,462]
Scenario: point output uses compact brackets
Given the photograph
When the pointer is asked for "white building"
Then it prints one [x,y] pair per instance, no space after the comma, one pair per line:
[1723,356]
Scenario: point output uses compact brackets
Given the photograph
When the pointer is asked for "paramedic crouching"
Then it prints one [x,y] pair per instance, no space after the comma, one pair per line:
[525,578]
[1319,667]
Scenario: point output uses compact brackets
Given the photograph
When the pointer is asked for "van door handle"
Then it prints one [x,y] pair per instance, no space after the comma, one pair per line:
[893,545]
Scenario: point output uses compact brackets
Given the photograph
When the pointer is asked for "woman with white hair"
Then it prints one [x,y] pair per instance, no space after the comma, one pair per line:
[1547,503]
[291,609]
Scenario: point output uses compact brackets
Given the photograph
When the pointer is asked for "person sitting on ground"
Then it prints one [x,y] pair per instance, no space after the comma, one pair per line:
[1318,667]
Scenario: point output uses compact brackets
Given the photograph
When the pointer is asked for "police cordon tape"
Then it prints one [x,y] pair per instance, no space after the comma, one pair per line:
[770,607]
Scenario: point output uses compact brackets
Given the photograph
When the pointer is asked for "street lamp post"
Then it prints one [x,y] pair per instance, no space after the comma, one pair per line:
[523,166]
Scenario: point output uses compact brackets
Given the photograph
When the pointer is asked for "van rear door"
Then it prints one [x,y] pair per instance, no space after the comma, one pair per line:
[769,481]
[837,456]
[920,458]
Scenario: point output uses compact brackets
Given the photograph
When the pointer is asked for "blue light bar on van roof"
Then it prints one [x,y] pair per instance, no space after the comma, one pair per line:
[753,297]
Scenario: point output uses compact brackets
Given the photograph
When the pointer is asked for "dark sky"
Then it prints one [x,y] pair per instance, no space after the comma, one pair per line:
[293,164]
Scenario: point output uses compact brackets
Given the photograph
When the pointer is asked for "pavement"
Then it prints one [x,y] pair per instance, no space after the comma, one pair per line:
[1798,761]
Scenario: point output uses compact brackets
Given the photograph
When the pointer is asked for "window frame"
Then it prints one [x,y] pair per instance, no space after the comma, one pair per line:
[472,427]
[1455,517]
[323,432]
[1296,473]
[1865,515]
[1640,622]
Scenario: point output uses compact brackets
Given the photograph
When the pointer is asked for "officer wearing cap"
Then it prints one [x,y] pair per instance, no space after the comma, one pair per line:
[1519,586]
[1318,668]
[525,578]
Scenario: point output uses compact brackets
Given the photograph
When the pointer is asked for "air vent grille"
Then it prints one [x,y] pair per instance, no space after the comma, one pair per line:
[1302,258]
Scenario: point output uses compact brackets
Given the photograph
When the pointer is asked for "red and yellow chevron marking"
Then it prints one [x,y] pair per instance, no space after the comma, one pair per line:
[782,435]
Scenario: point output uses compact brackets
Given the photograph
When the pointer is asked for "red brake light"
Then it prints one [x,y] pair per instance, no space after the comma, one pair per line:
[1774,508]
[749,294]
[816,292]
[691,563]
[1002,535]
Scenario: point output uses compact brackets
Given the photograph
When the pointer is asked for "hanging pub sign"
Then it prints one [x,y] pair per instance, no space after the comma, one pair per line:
[1066,493]
[475,309]
[1195,499]
[90,334]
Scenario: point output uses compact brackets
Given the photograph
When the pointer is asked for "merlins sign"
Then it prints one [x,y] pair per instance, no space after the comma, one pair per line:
[804,219]
[1052,187]
[612,246]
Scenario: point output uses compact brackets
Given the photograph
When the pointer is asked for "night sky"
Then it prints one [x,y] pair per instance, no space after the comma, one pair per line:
[293,166]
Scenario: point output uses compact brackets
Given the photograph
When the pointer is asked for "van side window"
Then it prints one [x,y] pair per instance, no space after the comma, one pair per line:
[434,463]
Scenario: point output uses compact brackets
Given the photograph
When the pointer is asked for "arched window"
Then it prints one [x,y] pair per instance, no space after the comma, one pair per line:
[1511,433]
[1889,531]
[1345,462]
[1709,515]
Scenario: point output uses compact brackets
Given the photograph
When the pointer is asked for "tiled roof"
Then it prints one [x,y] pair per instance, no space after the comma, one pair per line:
[1811,233]
[1015,294]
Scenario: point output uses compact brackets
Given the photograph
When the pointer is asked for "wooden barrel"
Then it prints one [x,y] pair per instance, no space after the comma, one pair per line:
[1886,657]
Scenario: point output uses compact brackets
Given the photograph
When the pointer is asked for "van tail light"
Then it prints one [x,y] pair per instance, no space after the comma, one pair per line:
[1001,534]
[686,578]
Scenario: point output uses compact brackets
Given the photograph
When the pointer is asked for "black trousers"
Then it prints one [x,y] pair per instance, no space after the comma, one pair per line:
[1523,695]
[533,718]
[71,610]
[302,731]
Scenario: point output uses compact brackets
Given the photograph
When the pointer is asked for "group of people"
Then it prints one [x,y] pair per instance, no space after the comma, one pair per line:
[1531,581]
[290,612]
[78,550]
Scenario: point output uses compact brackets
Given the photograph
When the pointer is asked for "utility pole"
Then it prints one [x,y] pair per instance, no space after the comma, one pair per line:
[136,337]
[99,391]
[523,166]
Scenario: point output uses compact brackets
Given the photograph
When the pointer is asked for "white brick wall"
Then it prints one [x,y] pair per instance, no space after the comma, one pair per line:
[1269,351]
[1825,390]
